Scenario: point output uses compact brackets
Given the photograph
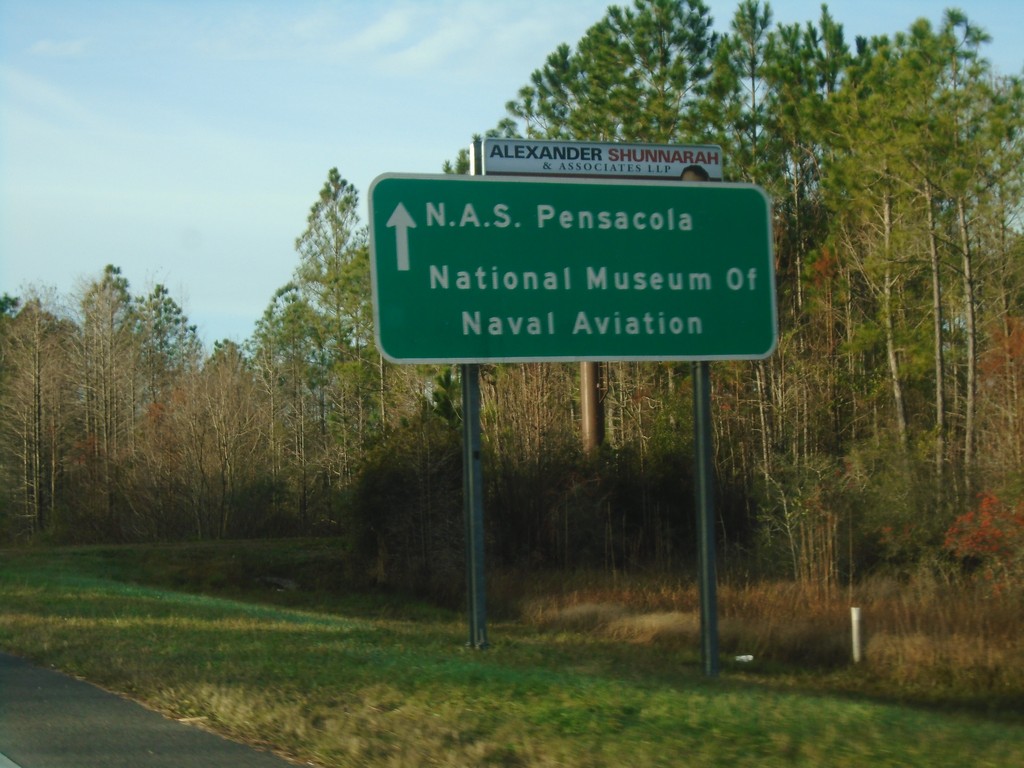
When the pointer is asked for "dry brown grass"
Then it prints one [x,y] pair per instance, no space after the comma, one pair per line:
[953,637]
[942,639]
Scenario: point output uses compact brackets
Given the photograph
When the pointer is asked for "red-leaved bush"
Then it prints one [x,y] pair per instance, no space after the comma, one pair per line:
[993,535]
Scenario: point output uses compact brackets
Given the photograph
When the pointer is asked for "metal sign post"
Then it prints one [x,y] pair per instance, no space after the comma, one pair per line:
[473,489]
[473,507]
[704,474]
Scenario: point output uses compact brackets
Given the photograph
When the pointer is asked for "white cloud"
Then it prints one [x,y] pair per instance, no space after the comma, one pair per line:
[59,48]
[32,101]
[463,41]
[382,33]
[430,52]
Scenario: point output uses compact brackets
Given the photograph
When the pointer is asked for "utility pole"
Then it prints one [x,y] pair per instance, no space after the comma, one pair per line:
[591,406]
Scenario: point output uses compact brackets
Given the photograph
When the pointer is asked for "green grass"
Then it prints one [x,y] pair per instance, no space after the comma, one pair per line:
[347,680]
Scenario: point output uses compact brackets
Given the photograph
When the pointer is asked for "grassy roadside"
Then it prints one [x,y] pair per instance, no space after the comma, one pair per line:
[346,681]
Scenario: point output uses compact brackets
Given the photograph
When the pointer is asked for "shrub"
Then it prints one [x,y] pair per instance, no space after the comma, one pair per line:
[991,537]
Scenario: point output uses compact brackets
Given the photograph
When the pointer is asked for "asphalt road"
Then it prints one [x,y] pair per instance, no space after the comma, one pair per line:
[50,720]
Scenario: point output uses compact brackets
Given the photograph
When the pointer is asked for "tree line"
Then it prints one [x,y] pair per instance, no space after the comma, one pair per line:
[886,431]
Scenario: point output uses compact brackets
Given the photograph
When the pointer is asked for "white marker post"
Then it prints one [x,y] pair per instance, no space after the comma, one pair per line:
[855,628]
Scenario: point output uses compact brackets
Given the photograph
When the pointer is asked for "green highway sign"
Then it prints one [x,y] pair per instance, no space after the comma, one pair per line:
[470,269]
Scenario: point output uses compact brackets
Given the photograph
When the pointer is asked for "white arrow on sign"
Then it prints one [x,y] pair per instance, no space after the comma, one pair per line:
[402,221]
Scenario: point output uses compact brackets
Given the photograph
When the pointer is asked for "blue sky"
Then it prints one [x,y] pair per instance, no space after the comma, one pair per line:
[185,141]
